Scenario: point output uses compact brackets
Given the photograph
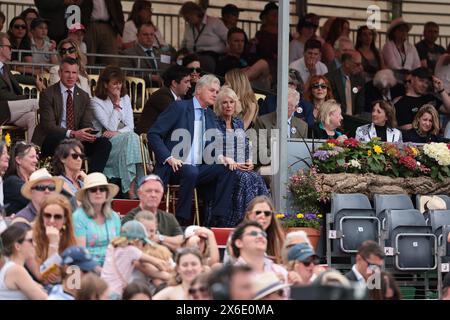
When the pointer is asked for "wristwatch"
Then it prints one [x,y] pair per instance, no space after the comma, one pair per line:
[161,238]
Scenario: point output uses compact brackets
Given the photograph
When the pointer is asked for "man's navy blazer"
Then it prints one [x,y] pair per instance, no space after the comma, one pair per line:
[178,115]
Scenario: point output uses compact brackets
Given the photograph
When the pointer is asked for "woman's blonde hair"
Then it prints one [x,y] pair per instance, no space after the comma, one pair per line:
[428,108]
[67,236]
[89,209]
[238,81]
[326,109]
[227,92]
[92,287]
[81,58]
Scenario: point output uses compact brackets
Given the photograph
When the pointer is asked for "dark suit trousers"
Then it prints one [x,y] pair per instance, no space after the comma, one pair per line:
[189,177]
[97,151]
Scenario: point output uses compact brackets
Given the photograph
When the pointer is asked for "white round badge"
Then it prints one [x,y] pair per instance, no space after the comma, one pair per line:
[293,130]
[355,90]
[299,109]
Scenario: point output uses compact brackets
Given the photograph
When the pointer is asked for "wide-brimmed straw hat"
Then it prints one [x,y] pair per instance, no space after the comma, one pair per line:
[397,23]
[267,283]
[431,203]
[97,179]
[38,176]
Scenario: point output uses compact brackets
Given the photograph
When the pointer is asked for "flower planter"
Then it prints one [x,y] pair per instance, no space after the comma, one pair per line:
[370,184]
[313,234]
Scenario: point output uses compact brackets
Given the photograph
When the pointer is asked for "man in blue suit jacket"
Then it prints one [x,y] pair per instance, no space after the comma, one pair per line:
[194,118]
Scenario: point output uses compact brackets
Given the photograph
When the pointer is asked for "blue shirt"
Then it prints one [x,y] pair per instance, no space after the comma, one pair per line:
[199,127]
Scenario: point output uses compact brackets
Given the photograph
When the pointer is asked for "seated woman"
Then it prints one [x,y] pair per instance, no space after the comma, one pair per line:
[52,234]
[4,163]
[425,126]
[18,36]
[67,163]
[95,223]
[68,48]
[248,184]
[15,281]
[372,61]
[330,118]
[189,265]
[113,117]
[317,91]
[22,164]
[192,62]
[382,126]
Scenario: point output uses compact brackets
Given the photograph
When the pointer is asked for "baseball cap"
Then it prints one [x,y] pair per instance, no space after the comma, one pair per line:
[37,22]
[231,9]
[76,27]
[301,252]
[422,72]
[150,177]
[135,230]
[190,231]
[80,257]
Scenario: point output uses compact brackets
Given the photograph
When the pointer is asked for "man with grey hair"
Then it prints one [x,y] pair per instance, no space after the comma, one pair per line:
[178,140]
[15,107]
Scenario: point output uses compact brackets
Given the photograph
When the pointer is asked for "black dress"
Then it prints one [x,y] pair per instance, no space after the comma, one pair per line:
[318,132]
[413,135]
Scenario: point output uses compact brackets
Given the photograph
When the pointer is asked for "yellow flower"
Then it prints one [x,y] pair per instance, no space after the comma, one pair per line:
[331,145]
[377,149]
[414,151]
[369,153]
[319,216]
[300,215]
[280,216]
[8,140]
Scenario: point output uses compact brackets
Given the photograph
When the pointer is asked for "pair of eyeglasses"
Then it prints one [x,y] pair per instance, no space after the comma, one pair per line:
[192,70]
[30,240]
[266,213]
[43,187]
[372,266]
[6,45]
[95,189]
[308,262]
[319,86]
[193,291]
[255,233]
[63,51]
[20,26]
[76,156]
[56,217]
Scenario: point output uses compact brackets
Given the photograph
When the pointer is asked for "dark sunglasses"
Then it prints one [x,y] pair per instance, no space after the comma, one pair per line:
[95,189]
[75,156]
[257,233]
[43,187]
[56,217]
[20,26]
[319,86]
[30,240]
[67,50]
[266,213]
[314,261]
[192,70]
[193,291]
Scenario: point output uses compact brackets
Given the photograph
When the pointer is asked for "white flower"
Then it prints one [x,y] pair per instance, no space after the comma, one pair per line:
[438,152]
[355,164]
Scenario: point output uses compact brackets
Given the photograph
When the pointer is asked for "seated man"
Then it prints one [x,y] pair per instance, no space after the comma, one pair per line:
[310,63]
[65,112]
[145,48]
[189,167]
[257,70]
[348,83]
[177,81]
[15,108]
[150,192]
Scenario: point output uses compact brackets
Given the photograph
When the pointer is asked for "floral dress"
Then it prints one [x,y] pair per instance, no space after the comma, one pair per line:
[249,184]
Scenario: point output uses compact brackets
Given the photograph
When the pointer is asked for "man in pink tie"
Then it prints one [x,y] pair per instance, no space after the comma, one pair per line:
[65,112]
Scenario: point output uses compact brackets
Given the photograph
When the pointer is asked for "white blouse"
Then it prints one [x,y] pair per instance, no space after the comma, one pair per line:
[106,118]
[394,60]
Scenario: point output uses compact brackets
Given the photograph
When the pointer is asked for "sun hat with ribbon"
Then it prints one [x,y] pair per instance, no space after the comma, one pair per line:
[97,179]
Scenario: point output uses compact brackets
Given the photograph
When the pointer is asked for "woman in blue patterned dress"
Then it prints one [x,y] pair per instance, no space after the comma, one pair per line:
[249,184]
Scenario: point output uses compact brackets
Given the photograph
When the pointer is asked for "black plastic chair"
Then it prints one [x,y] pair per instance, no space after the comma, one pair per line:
[383,202]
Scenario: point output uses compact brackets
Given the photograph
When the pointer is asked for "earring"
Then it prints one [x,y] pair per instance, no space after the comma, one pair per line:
[64,227]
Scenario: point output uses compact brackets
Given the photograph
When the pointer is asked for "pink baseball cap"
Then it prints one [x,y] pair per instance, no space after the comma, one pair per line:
[76,27]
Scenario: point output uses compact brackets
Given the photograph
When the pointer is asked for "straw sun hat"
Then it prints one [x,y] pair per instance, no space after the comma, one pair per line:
[96,179]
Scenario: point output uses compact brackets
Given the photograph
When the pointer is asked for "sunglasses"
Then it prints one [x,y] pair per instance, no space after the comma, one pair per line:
[193,291]
[30,240]
[20,26]
[266,213]
[67,50]
[56,217]
[314,261]
[192,70]
[319,86]
[372,266]
[95,189]
[43,187]
[6,45]
[75,156]
[257,233]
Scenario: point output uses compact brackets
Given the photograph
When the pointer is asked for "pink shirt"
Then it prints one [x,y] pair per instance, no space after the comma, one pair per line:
[117,271]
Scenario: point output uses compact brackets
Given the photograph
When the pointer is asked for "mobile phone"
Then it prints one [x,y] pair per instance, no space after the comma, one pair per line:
[94,131]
